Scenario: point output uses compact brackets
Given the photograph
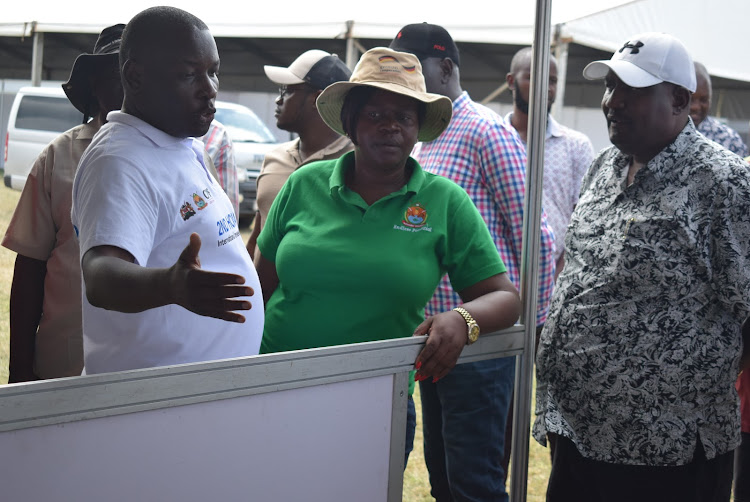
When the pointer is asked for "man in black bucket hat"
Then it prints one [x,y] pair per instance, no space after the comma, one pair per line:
[45,302]
[84,88]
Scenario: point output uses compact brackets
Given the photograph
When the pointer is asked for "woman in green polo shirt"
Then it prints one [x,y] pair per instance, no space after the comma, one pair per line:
[354,248]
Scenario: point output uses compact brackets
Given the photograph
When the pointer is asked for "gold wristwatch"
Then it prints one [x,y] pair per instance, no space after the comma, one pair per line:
[471,325]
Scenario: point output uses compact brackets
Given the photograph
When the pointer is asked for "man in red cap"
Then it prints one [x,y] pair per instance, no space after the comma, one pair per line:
[464,413]
[45,299]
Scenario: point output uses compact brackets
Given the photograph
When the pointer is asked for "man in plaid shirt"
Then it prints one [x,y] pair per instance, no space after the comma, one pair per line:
[219,148]
[464,414]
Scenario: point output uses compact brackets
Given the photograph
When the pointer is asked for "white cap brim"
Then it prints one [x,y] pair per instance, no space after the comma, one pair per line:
[282,76]
[625,70]
[297,71]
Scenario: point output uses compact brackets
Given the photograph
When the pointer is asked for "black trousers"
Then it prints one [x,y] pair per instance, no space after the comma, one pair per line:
[742,470]
[578,479]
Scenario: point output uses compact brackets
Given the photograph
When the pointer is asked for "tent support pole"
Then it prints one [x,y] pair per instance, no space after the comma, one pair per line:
[561,54]
[352,53]
[36,59]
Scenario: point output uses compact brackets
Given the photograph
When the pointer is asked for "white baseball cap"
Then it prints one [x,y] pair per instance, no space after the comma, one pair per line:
[648,59]
[315,67]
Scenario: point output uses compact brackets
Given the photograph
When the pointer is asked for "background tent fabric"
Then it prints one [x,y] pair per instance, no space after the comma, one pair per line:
[470,20]
[714,31]
[488,34]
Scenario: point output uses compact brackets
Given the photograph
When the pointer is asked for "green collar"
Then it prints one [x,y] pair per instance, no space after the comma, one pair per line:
[346,162]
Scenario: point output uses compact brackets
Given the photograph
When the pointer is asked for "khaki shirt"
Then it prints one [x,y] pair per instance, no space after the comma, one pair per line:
[281,162]
[41,229]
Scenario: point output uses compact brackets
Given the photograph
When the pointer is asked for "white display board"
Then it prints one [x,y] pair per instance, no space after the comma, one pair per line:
[315,425]
[323,443]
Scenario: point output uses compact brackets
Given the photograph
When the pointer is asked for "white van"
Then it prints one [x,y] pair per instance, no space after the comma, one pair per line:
[38,115]
[251,139]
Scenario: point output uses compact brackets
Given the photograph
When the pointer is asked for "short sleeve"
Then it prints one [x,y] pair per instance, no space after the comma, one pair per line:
[584,156]
[115,204]
[32,231]
[730,245]
[470,255]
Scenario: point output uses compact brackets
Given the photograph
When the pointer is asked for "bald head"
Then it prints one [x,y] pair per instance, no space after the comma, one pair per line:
[519,81]
[152,29]
[522,60]
[700,102]
[169,67]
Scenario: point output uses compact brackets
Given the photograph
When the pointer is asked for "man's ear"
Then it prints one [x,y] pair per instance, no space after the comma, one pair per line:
[510,80]
[447,67]
[680,99]
[314,96]
[132,75]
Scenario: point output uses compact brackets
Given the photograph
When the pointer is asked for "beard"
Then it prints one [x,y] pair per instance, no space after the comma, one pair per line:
[522,104]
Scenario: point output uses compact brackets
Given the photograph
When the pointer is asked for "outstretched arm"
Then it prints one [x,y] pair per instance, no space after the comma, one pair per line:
[493,303]
[115,282]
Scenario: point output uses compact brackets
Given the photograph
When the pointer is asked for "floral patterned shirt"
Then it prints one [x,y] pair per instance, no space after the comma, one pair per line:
[640,352]
[723,135]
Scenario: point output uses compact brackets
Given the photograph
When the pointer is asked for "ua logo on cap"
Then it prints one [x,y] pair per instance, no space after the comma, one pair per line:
[634,48]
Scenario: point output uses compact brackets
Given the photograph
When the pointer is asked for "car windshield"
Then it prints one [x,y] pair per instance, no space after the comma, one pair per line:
[244,126]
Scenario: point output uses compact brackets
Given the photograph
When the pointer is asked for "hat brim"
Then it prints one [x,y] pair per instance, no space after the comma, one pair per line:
[282,76]
[439,109]
[625,70]
[78,88]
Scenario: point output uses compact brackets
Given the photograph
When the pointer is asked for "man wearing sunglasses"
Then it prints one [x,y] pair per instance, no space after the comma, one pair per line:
[299,86]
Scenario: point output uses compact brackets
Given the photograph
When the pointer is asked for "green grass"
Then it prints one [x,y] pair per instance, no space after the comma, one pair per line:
[416,484]
[8,201]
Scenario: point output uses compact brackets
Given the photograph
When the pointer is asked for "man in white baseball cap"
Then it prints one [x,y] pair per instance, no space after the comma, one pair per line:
[300,84]
[648,59]
[642,345]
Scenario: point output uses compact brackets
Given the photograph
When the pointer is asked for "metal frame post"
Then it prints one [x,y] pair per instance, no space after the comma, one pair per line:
[531,247]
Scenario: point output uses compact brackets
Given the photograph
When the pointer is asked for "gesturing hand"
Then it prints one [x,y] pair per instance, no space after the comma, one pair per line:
[447,338]
[207,293]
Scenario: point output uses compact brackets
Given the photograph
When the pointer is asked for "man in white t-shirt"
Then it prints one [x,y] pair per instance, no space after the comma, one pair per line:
[145,206]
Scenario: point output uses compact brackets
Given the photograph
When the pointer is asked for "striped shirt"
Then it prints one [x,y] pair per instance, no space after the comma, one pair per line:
[219,148]
[483,154]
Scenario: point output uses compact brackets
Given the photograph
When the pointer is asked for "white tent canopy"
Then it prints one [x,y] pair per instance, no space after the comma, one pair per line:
[714,31]
[470,21]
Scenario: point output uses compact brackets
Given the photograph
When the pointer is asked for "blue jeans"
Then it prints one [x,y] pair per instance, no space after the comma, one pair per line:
[463,420]
[411,427]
